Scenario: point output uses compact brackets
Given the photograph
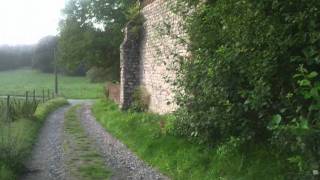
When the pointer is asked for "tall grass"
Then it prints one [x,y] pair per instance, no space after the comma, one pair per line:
[17,108]
[15,130]
[18,132]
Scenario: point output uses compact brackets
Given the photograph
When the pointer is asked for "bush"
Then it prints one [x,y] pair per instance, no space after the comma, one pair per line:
[43,56]
[43,110]
[141,99]
[244,78]
[97,74]
[6,173]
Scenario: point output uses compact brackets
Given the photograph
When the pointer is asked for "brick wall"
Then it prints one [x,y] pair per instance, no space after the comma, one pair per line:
[113,92]
[156,55]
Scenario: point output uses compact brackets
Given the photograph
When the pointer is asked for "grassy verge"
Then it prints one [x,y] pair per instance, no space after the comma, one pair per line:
[83,160]
[45,109]
[70,87]
[180,159]
[18,137]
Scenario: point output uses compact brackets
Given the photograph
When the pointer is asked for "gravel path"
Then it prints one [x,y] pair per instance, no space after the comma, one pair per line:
[47,161]
[125,164]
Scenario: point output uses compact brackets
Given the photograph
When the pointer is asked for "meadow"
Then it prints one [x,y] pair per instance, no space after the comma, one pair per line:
[16,82]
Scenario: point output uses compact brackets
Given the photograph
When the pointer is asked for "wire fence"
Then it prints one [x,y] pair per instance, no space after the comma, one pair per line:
[15,105]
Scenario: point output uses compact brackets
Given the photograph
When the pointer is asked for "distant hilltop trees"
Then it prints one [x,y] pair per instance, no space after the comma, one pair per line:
[13,57]
[43,55]
[39,56]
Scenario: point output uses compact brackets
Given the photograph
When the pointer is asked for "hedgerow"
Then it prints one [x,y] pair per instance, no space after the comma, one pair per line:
[253,75]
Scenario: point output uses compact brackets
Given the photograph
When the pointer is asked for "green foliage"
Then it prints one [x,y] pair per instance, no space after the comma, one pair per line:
[6,173]
[135,27]
[44,109]
[18,108]
[13,57]
[17,138]
[149,136]
[244,78]
[43,56]
[141,99]
[98,74]
[83,46]
[92,33]
[133,11]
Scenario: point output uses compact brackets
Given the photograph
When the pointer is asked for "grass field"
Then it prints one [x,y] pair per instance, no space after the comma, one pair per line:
[19,81]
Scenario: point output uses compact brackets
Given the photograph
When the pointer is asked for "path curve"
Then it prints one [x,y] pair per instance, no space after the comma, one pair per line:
[47,161]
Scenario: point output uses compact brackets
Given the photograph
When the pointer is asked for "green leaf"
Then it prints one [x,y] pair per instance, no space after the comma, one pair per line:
[304,124]
[276,119]
[304,82]
[313,74]
[314,92]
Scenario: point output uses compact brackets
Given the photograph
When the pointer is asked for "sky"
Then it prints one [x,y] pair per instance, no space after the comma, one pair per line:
[27,21]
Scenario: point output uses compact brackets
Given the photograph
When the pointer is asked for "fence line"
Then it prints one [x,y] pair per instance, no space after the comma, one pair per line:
[45,96]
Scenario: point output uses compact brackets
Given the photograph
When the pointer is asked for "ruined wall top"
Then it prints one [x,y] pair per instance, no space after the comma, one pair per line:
[146,2]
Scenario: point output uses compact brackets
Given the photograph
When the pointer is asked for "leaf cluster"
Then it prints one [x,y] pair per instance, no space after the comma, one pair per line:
[91,33]
[244,78]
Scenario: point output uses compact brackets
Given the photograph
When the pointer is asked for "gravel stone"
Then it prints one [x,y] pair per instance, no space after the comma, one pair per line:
[125,164]
[47,161]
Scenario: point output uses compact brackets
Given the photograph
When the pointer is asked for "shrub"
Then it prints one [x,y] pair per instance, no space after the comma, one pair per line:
[44,109]
[99,74]
[141,99]
[244,77]
[6,173]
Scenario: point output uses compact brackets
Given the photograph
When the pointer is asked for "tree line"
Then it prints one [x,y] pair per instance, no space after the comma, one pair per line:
[12,57]
[91,34]
[38,56]
[88,42]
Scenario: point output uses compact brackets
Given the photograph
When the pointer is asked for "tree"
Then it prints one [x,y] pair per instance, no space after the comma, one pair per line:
[91,34]
[43,56]
[12,57]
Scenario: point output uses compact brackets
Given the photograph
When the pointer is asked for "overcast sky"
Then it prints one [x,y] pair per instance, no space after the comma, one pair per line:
[26,21]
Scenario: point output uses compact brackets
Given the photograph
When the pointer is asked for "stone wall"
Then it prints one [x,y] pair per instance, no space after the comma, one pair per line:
[156,52]
[129,67]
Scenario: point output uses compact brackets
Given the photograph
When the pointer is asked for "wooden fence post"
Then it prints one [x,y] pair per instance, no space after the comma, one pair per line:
[34,95]
[43,95]
[8,108]
[27,96]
